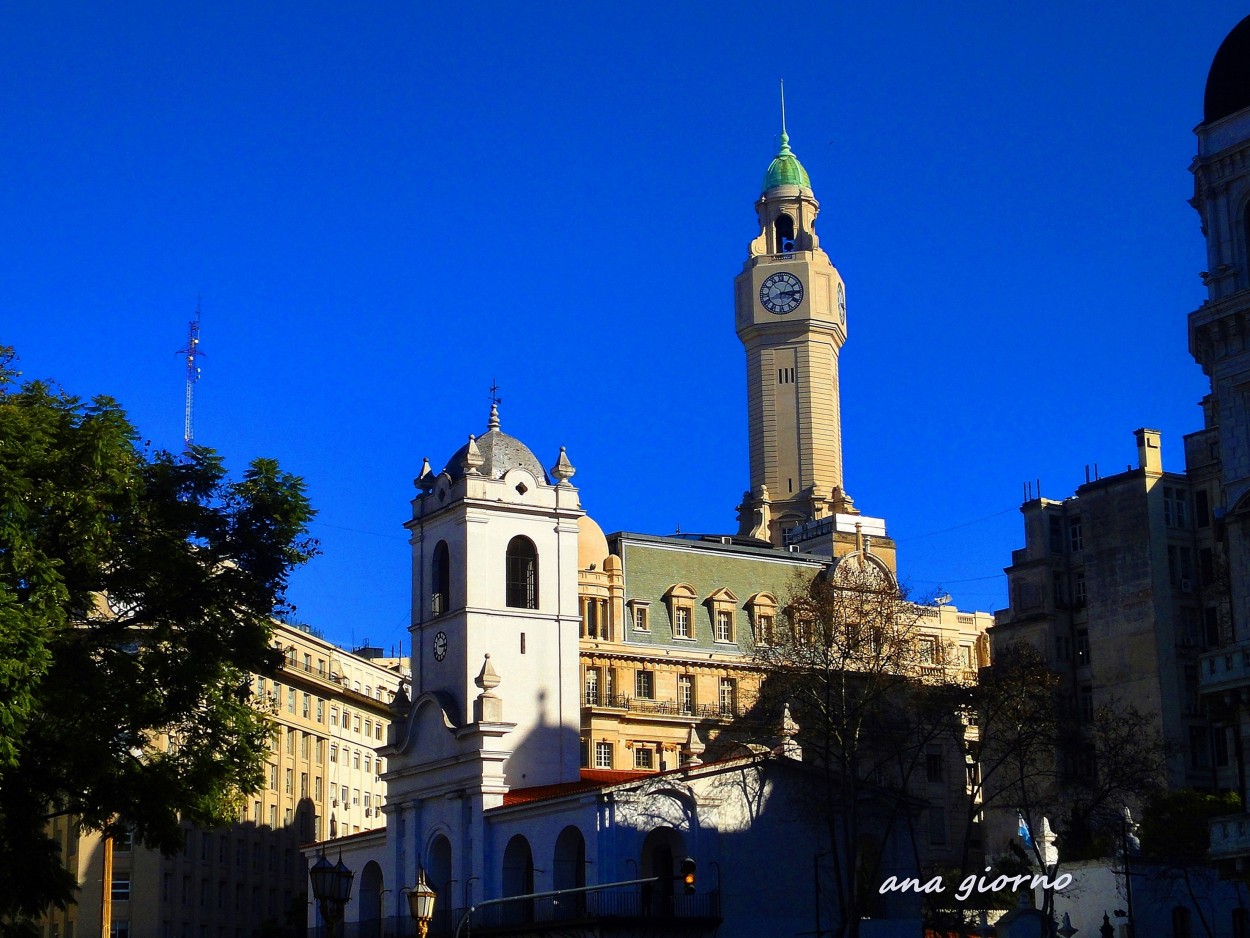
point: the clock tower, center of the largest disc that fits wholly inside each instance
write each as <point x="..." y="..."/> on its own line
<point x="790" y="305"/>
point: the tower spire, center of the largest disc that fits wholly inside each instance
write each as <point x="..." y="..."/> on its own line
<point x="784" y="136"/>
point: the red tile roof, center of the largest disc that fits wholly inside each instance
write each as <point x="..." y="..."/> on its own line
<point x="591" y="779"/>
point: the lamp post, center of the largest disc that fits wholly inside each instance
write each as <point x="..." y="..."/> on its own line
<point x="332" y="888"/>
<point x="421" y="903"/>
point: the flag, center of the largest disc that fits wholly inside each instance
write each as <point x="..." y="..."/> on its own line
<point x="1025" y="835"/>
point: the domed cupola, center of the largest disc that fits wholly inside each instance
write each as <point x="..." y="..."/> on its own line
<point x="499" y="451"/>
<point x="1228" y="82"/>
<point x="785" y="169"/>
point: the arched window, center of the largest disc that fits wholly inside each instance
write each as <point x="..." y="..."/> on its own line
<point x="569" y="871"/>
<point x="518" y="880"/>
<point x="440" y="574"/>
<point x="783" y="227"/>
<point x="1180" y="922"/>
<point x="522" y="574"/>
<point x="369" y="903"/>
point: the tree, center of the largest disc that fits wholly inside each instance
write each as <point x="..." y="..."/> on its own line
<point x="1036" y="762"/>
<point x="869" y="697"/>
<point x="137" y="592"/>
<point x="1176" y="835"/>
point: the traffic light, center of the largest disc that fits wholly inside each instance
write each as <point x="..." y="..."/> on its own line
<point x="687" y="875"/>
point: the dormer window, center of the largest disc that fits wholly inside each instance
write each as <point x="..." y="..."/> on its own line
<point x="762" y="608"/>
<point x="680" y="600"/>
<point x="721" y="606"/>
<point x="521" y="574"/>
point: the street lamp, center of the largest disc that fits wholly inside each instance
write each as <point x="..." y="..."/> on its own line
<point x="332" y="888"/>
<point x="421" y="903"/>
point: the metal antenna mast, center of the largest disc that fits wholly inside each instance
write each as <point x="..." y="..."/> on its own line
<point x="192" y="351"/>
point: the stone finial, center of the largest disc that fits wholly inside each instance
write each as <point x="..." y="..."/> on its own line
<point x="487" y="679"/>
<point x="487" y="708"/>
<point x="492" y="422"/>
<point x="1050" y="853"/>
<point x="473" y="458"/>
<point x="693" y="748"/>
<point x="755" y="514"/>
<point x="563" y="470"/>
<point x="859" y="537"/>
<point x="400" y="703"/>
<point x="787" y="730"/>
<point x="425" y="478"/>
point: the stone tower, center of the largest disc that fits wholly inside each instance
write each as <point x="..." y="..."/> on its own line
<point x="790" y="305"/>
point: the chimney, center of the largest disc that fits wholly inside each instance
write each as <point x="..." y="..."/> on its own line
<point x="1149" y="455"/>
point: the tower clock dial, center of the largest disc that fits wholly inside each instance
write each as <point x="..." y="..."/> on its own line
<point x="842" y="302"/>
<point x="440" y="646"/>
<point x="781" y="293"/>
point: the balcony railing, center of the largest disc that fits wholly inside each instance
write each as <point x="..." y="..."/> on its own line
<point x="664" y="707"/>
<point x="1224" y="669"/>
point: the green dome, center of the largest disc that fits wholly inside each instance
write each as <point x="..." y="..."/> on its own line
<point x="785" y="169"/>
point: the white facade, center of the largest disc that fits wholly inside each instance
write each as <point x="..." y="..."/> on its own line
<point x="485" y="793"/>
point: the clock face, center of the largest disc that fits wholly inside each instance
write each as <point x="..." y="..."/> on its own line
<point x="440" y="646"/>
<point x="842" y="302"/>
<point x="781" y="293"/>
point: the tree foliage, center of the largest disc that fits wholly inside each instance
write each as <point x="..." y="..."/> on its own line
<point x="137" y="592"/>
<point x="869" y="697"/>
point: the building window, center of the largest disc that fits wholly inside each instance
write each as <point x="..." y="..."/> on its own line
<point x="685" y="693"/>
<point x="640" y="618"/>
<point x="643" y="757"/>
<point x="356" y="759"/>
<point x="440" y="576"/>
<point x="334" y="752"/>
<point x="728" y="696"/>
<point x="521" y="573"/>
<point x="290" y="781"/>
<point x="594" y="617"/>
<point x="334" y="716"/>
<point x="1082" y="646"/>
<point x="585" y="747"/>
<point x="1075" y="540"/>
<point x="124" y="842"/>
<point x="681" y="627"/>
<point x="1063" y="648"/>
<point x="1202" y="508"/>
<point x="1087" y="704"/>
<point x="307" y="711"/>
<point x="592" y="686"/>
<point x="121" y="889"/>
<point x="1056" y="534"/>
<point x="368" y="727"/>
<point x="356" y="722"/>
<point x="928" y="650"/>
<point x="303" y="784"/>
<point x="681" y="601"/>
<point x="290" y="699"/>
<point x="721" y="605"/>
<point x="321" y="710"/>
<point x="766" y="630"/>
<point x="934" y="766"/>
<point x="1175" y="507"/>
<point x="305" y="746"/>
<point x="116" y="930"/>
<point x="317" y="789"/>
<point x="644" y="685"/>
<point x="1080" y="590"/>
<point x="603" y="755"/>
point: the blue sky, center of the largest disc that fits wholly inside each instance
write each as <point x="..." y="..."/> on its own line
<point x="387" y="206"/>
